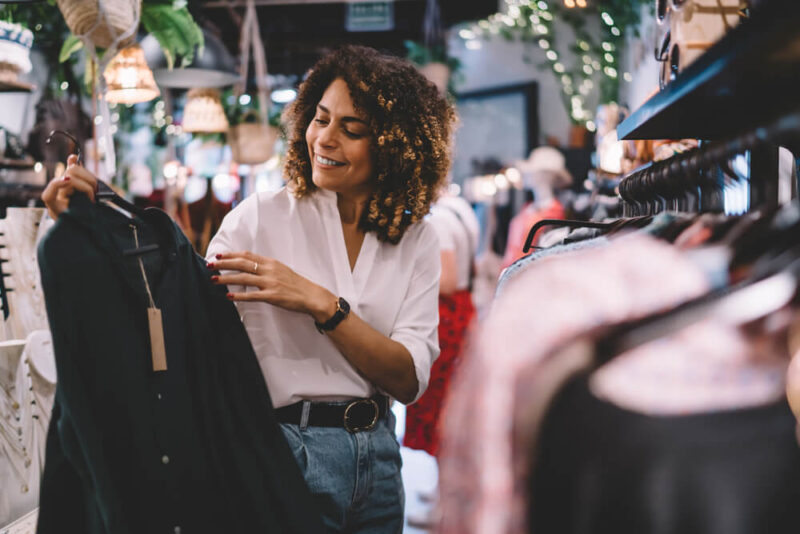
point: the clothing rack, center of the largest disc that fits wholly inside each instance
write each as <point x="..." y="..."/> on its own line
<point x="692" y="181"/>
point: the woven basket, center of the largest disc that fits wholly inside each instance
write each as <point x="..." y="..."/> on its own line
<point x="252" y="143"/>
<point x="82" y="15"/>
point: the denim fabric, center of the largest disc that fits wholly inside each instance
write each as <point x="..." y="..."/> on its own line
<point x="355" y="478"/>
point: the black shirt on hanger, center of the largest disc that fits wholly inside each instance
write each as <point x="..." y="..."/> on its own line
<point x="195" y="448"/>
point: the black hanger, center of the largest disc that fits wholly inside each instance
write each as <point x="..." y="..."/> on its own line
<point x="104" y="192"/>
<point x="562" y="223"/>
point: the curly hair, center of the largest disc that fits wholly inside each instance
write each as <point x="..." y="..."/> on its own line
<point x="410" y="126"/>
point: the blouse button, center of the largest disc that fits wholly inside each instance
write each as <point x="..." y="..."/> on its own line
<point x="165" y="459"/>
<point x="177" y="530"/>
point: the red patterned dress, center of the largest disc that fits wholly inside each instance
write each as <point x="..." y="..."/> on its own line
<point x="422" y="418"/>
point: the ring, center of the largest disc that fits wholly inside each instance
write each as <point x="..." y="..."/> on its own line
<point x="255" y="267"/>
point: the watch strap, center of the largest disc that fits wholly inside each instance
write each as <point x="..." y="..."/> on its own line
<point x="342" y="310"/>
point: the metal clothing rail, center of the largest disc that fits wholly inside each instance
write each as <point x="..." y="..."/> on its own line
<point x="679" y="183"/>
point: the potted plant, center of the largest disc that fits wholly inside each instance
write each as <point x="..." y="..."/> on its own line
<point x="434" y="63"/>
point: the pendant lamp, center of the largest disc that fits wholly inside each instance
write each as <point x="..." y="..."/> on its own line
<point x="129" y="79"/>
<point x="213" y="66"/>
<point x="203" y="112"/>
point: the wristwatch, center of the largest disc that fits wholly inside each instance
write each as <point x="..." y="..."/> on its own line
<point x="342" y="309"/>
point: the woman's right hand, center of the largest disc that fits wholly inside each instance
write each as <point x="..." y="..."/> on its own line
<point x="58" y="192"/>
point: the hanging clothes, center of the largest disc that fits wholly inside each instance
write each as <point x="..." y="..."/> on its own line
<point x="457" y="228"/>
<point x="732" y="471"/>
<point x="196" y="447"/>
<point x="518" y="228"/>
<point x="27" y="389"/>
<point x="525" y="355"/>
<point x="547" y="305"/>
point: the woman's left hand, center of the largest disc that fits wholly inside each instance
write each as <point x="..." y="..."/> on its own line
<point x="275" y="282"/>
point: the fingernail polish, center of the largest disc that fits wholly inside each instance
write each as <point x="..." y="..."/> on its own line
<point x="210" y="265"/>
<point x="214" y="278"/>
<point x="67" y="178"/>
<point x="219" y="256"/>
<point x="230" y="296"/>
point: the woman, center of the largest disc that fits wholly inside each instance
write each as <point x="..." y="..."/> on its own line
<point x="458" y="230"/>
<point x="336" y="276"/>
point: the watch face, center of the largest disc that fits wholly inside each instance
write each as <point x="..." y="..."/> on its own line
<point x="344" y="305"/>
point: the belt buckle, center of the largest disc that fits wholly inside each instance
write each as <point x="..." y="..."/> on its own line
<point x="371" y="425"/>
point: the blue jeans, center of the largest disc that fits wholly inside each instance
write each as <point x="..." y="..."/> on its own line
<point x="355" y="478"/>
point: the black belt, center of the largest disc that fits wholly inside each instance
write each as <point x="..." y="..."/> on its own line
<point x="355" y="416"/>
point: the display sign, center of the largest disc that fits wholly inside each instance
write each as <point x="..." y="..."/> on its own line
<point x="369" y="16"/>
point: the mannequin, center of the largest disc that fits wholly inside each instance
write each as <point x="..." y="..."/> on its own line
<point x="544" y="173"/>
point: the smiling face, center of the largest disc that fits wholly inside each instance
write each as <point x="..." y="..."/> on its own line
<point x="338" y="140"/>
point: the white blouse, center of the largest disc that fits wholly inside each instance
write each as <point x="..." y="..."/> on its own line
<point x="394" y="288"/>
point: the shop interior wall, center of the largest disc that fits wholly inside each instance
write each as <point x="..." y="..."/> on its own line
<point x="501" y="63"/>
<point x="638" y="58"/>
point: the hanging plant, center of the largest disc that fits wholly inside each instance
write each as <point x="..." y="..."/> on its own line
<point x="423" y="56"/>
<point x="170" y="22"/>
<point x="50" y="32"/>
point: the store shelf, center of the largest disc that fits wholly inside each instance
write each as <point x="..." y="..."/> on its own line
<point x="16" y="86"/>
<point x="751" y="76"/>
<point x="16" y="163"/>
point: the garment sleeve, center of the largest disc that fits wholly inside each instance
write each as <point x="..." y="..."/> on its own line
<point x="416" y="326"/>
<point x="74" y="456"/>
<point x="238" y="229"/>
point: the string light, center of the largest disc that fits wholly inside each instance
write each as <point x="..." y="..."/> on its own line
<point x="534" y="21"/>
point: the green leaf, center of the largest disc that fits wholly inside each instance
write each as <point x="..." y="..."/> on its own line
<point x="71" y="45"/>
<point x="175" y="30"/>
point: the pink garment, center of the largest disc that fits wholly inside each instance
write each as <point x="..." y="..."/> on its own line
<point x="521" y="224"/>
<point x="707" y="367"/>
<point x="551" y="303"/>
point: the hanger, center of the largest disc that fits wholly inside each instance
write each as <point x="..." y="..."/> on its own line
<point x="107" y="195"/>
<point x="561" y="223"/>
